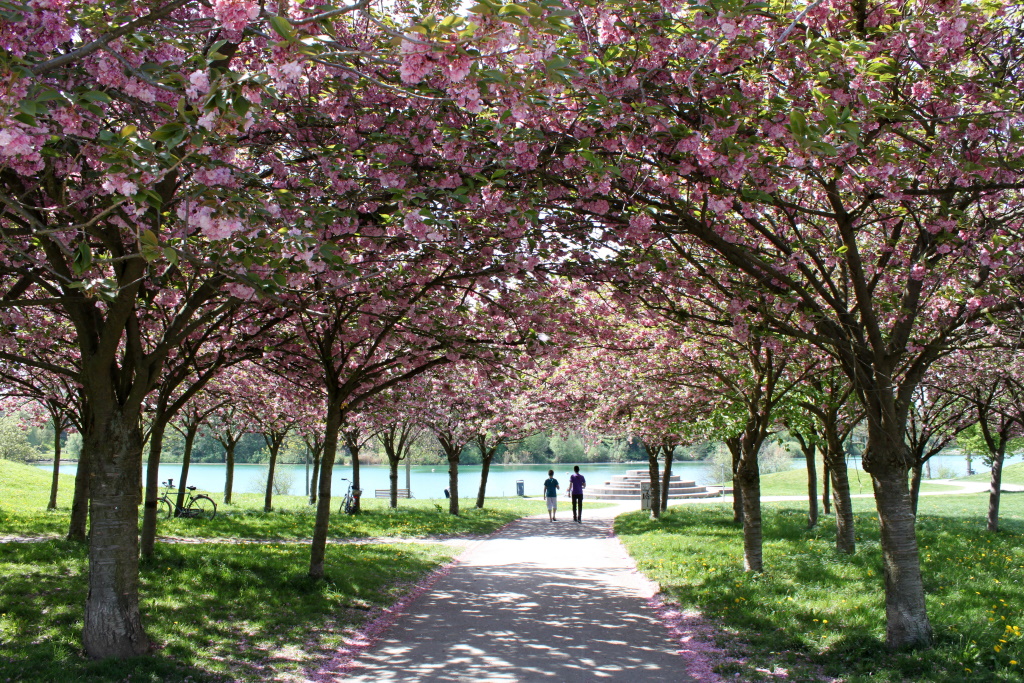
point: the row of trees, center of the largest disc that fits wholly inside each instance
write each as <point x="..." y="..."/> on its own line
<point x="734" y="215"/>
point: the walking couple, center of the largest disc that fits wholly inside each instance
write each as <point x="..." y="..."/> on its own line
<point x="576" y="485"/>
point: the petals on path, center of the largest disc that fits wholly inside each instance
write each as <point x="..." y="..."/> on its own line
<point x="695" y="637"/>
<point x="343" y="661"/>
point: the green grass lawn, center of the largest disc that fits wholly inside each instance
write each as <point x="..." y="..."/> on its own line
<point x="1012" y="474"/>
<point x="794" y="483"/>
<point x="816" y="612"/>
<point x="216" y="611"/>
<point x="24" y="492"/>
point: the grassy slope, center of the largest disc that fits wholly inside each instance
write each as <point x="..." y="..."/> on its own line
<point x="794" y="483"/>
<point x="1012" y="474"/>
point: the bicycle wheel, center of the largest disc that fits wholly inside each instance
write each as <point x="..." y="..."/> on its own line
<point x="164" y="508"/>
<point x="202" y="507"/>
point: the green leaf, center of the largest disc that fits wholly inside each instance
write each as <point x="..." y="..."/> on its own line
<point x="95" y="96"/>
<point x="282" y="27"/>
<point x="451" y="21"/>
<point x="49" y="95"/>
<point x="166" y="131"/>
<point x="83" y="258"/>
<point x="148" y="237"/>
<point x="513" y="11"/>
<point x="798" y="122"/>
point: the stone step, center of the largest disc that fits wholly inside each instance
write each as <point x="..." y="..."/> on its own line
<point x="636" y="492"/>
<point x="704" y="494"/>
<point x="636" y="484"/>
<point x="620" y="487"/>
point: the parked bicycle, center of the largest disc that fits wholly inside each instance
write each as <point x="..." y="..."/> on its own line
<point x="350" y="499"/>
<point x="196" y="507"/>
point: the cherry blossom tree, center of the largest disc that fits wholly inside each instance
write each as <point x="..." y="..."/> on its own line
<point x="186" y="371"/>
<point x="274" y="412"/>
<point x="851" y="163"/>
<point x="937" y="416"/>
<point x="188" y="422"/>
<point x="57" y="402"/>
<point x="994" y="391"/>
<point x="825" y="397"/>
<point x="397" y="439"/>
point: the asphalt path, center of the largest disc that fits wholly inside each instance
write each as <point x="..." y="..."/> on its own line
<point x="536" y="601"/>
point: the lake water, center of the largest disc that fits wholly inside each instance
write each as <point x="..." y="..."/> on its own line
<point x="427" y="481"/>
<point x="430" y="481"/>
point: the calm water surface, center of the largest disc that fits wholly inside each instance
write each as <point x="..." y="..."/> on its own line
<point x="430" y="481"/>
<point x="426" y="481"/>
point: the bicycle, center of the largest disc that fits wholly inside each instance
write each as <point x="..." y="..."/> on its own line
<point x="196" y="507"/>
<point x="349" y="500"/>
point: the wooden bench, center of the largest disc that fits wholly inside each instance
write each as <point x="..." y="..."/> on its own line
<point x="386" y="493"/>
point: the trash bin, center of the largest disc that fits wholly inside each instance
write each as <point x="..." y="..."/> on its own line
<point x="520" y="487"/>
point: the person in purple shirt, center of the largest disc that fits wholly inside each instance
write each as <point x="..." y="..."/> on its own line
<point x="576" y="485"/>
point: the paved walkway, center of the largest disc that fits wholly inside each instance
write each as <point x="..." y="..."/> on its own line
<point x="537" y="601"/>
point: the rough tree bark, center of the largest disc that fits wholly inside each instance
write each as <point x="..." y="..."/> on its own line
<point x="995" y="486"/>
<point x="748" y="478"/>
<point x="191" y="429"/>
<point x="669" y="452"/>
<point x="653" y="472"/>
<point x="156" y="441"/>
<point x="487" y="456"/>
<point x="846" y="538"/>
<point x="273" y="439"/>
<point x="55" y="479"/>
<point x="112" y="622"/>
<point x="810" y="451"/>
<point x="318" y="544"/>
<point x="78" y="524"/>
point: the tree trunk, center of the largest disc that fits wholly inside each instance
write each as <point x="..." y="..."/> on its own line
<point x="268" y="496"/>
<point x="147" y="540"/>
<point x="826" y="489"/>
<point x="393" y="476"/>
<point x="315" y="477"/>
<point x="835" y="460"/>
<point x="915" y="486"/>
<point x="318" y="545"/>
<point x="453" y="481"/>
<point x="80" y="502"/>
<point x="733" y="443"/>
<point x="995" y="487"/>
<point x="186" y="461"/>
<point x="55" y="479"/>
<point x="748" y="479"/>
<point x="357" y="504"/>
<point x="812" y="485"/>
<point x="229" y="470"/>
<point x="653" y="473"/>
<point x="487" y="454"/>
<point x="906" y="615"/>
<point x="846" y="537"/>
<point x="112" y="623"/>
<point x="669" y="453"/>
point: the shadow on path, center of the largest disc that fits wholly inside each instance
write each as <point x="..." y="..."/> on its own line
<point x="540" y="601"/>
